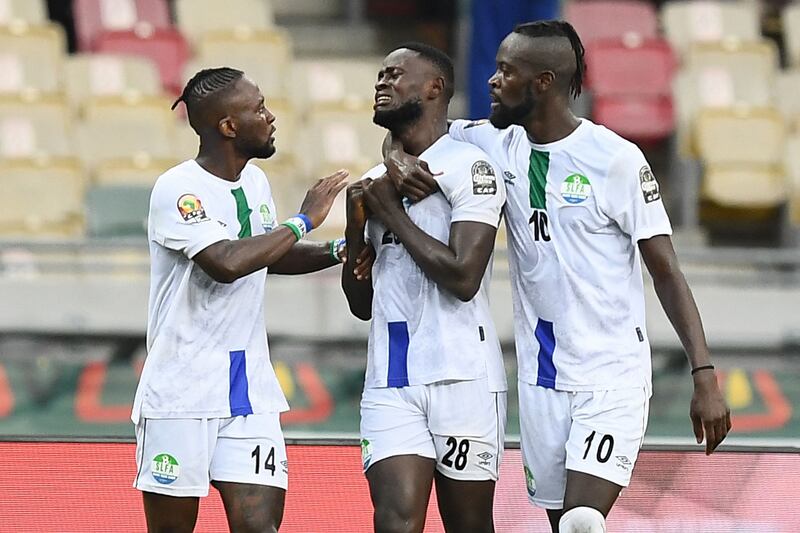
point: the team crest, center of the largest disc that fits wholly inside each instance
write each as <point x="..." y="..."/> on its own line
<point x="165" y="468"/>
<point x="649" y="185"/>
<point x="191" y="209"/>
<point x="366" y="453"/>
<point x="576" y="188"/>
<point x="267" y="219"/>
<point x="483" y="178"/>
<point x="530" y="482"/>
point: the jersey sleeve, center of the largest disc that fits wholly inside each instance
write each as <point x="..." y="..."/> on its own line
<point x="481" y="133"/>
<point x="633" y="197"/>
<point x="178" y="221"/>
<point x="475" y="192"/>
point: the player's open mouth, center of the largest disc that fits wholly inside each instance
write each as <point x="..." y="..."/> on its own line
<point x="382" y="99"/>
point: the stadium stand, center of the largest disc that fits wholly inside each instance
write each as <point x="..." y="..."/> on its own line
<point x="610" y="19"/>
<point x="31" y="57"/>
<point x="32" y="12"/>
<point x="94" y="17"/>
<point x="92" y="75"/>
<point x="195" y="18"/>
<point x="117" y="210"/>
<point x="791" y="35"/>
<point x="34" y="125"/>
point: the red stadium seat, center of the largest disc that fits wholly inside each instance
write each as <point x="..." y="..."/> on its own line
<point x="166" y="47"/>
<point x="93" y="17"/>
<point x="603" y="19"/>
<point x="645" y="119"/>
<point x="630" y="66"/>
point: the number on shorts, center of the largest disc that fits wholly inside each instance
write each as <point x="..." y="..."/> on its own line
<point x="604" y="447"/>
<point x="269" y="464"/>
<point x="461" y="457"/>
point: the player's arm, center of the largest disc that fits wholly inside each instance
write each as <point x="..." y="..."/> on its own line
<point x="356" y="284"/>
<point x="306" y="257"/>
<point x="708" y="411"/>
<point x="459" y="266"/>
<point x="226" y="261"/>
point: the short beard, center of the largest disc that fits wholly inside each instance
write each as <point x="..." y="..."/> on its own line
<point x="396" y="120"/>
<point x="504" y="116"/>
<point x="264" y="151"/>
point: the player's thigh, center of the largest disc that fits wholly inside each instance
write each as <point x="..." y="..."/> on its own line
<point x="173" y="456"/>
<point x="249" y="507"/>
<point x="465" y="505"/>
<point x="170" y="513"/>
<point x="400" y="487"/>
<point x="468" y="423"/>
<point x="607" y="431"/>
<point x="545" y="420"/>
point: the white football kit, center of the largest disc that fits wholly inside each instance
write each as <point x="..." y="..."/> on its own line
<point x="435" y="382"/>
<point x="576" y="209"/>
<point x="207" y="357"/>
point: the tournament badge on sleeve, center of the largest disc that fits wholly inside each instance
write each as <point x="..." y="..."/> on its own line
<point x="191" y="209"/>
<point x="649" y="185"/>
<point x="483" y="178"/>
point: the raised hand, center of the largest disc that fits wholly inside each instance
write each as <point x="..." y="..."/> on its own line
<point x="319" y="198"/>
<point x="357" y="212"/>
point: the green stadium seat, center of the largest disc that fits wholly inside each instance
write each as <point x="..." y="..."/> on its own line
<point x="117" y="211"/>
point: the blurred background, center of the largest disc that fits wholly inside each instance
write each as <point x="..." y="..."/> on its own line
<point x="709" y="90"/>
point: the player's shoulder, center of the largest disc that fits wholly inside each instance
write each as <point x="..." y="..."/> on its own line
<point x="609" y="145"/>
<point x="180" y="176"/>
<point x="485" y="128"/>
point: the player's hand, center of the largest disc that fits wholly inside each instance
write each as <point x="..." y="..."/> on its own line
<point x="410" y="175"/>
<point x="319" y="198"/>
<point x="357" y="212"/>
<point x="710" y="415"/>
<point x="382" y="198"/>
<point x="364" y="261"/>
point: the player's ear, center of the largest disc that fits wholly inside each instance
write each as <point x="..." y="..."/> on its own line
<point x="436" y="88"/>
<point x="545" y="80"/>
<point x="227" y="127"/>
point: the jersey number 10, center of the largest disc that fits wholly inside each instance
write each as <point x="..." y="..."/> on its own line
<point x="538" y="223"/>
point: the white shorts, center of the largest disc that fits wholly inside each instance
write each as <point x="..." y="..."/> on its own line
<point x="179" y="457"/>
<point x="461" y="424"/>
<point x="598" y="433"/>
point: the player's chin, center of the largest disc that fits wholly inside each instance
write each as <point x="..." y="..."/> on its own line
<point x="266" y="151"/>
<point x="499" y="118"/>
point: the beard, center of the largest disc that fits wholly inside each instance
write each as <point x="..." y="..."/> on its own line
<point x="399" y="118"/>
<point x="259" y="151"/>
<point x="504" y="116"/>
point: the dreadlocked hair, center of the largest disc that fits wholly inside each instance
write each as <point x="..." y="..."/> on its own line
<point x="207" y="82"/>
<point x="559" y="28"/>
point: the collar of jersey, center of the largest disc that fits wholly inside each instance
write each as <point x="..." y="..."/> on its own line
<point x="208" y="176"/>
<point x="561" y="143"/>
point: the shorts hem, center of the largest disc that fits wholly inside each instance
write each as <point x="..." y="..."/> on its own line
<point x="467" y="477"/>
<point x="230" y="479"/>
<point x="552" y="505"/>
<point x="179" y="492"/>
<point x="602" y="475"/>
<point x="377" y="458"/>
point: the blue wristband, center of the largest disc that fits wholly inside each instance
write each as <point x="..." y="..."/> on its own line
<point x="307" y="220"/>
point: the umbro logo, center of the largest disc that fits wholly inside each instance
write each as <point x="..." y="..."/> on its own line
<point x="508" y="177"/>
<point x="485" y="457"/>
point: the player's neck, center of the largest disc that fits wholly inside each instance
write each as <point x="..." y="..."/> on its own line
<point x="219" y="161"/>
<point x="551" y="123"/>
<point x="421" y="135"/>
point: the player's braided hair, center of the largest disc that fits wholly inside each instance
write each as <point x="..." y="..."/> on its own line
<point x="559" y="28"/>
<point x="206" y="82"/>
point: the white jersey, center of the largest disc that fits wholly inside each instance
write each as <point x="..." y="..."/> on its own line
<point x="207" y="354"/>
<point x="421" y="333"/>
<point x="576" y="209"/>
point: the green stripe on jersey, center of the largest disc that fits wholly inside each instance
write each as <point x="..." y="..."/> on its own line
<point x="242" y="213"/>
<point x="537" y="175"/>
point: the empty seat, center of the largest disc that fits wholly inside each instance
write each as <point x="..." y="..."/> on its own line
<point x="740" y="136"/>
<point x="791" y="32"/>
<point x="641" y="119"/>
<point x="41" y="197"/>
<point x="116" y="127"/>
<point x="136" y="171"/>
<point x="91" y="75"/>
<point x="262" y="55"/>
<point x="603" y="19"/>
<point x="630" y="66"/>
<point x="758" y="57"/>
<point x="745" y="186"/>
<point x="198" y="17"/>
<point x="93" y="17"/>
<point x="324" y="82"/>
<point x="33" y="12"/>
<point x="117" y="210"/>
<point x="792" y="163"/>
<point x="31" y="58"/>
<point x="33" y="125"/>
<point x="787" y="96"/>
<point x="688" y="22"/>
<point x="166" y="48"/>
